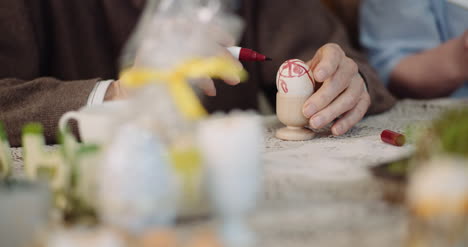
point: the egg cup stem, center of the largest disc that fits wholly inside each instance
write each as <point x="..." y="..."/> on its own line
<point x="294" y="134"/>
<point x="289" y="112"/>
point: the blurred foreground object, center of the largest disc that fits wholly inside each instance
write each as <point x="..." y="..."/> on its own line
<point x="162" y="74"/>
<point x="231" y="146"/>
<point x="155" y="54"/>
<point x="103" y="236"/>
<point x="69" y="171"/>
<point x="438" y="203"/>
<point x="24" y="212"/>
<point x="97" y="124"/>
<point x="205" y="27"/>
<point x="5" y="154"/>
<point x="136" y="186"/>
<point x="83" y="237"/>
<point x="448" y="134"/>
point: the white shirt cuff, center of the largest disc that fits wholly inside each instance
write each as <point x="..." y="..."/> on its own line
<point x="96" y="96"/>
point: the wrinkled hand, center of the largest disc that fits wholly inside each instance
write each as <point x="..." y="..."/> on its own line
<point x="223" y="39"/>
<point x="342" y="93"/>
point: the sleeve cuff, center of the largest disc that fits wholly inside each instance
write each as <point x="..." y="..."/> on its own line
<point x="96" y="96"/>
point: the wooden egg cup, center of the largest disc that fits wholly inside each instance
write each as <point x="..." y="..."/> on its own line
<point x="289" y="112"/>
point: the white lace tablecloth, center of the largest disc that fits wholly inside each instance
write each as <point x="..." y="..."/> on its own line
<point x="320" y="192"/>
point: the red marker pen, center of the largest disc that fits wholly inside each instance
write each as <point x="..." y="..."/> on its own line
<point x="244" y="54"/>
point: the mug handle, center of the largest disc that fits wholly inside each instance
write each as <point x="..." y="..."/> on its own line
<point x="71" y="115"/>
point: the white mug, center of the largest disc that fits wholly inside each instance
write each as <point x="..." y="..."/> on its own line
<point x="96" y="123"/>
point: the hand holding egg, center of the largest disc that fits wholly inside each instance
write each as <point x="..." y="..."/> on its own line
<point x="342" y="94"/>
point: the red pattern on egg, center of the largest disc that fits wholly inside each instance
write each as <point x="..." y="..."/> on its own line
<point x="293" y="68"/>
<point x="284" y="86"/>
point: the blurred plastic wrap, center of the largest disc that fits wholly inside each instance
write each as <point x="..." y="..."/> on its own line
<point x="177" y="44"/>
<point x="24" y="212"/>
<point x="171" y="32"/>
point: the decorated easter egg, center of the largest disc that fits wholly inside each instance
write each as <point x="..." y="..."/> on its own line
<point x="295" y="78"/>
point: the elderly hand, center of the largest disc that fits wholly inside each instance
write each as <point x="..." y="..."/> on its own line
<point x="342" y="93"/>
<point x="207" y="84"/>
<point x="223" y="39"/>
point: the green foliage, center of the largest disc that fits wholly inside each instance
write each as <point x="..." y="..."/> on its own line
<point x="33" y="128"/>
<point x="3" y="135"/>
<point x="398" y="167"/>
<point x="414" y="132"/>
<point x="76" y="208"/>
<point x="451" y="129"/>
<point x="46" y="173"/>
<point x="5" y="155"/>
<point x="88" y="149"/>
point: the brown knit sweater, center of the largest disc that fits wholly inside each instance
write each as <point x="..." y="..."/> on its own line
<point x="52" y="52"/>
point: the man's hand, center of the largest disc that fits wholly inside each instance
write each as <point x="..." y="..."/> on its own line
<point x="207" y="84"/>
<point x="342" y="92"/>
<point x="432" y="73"/>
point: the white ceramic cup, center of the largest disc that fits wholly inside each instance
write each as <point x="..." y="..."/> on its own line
<point x="97" y="123"/>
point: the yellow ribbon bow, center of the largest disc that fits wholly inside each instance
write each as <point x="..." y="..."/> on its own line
<point x="176" y="79"/>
